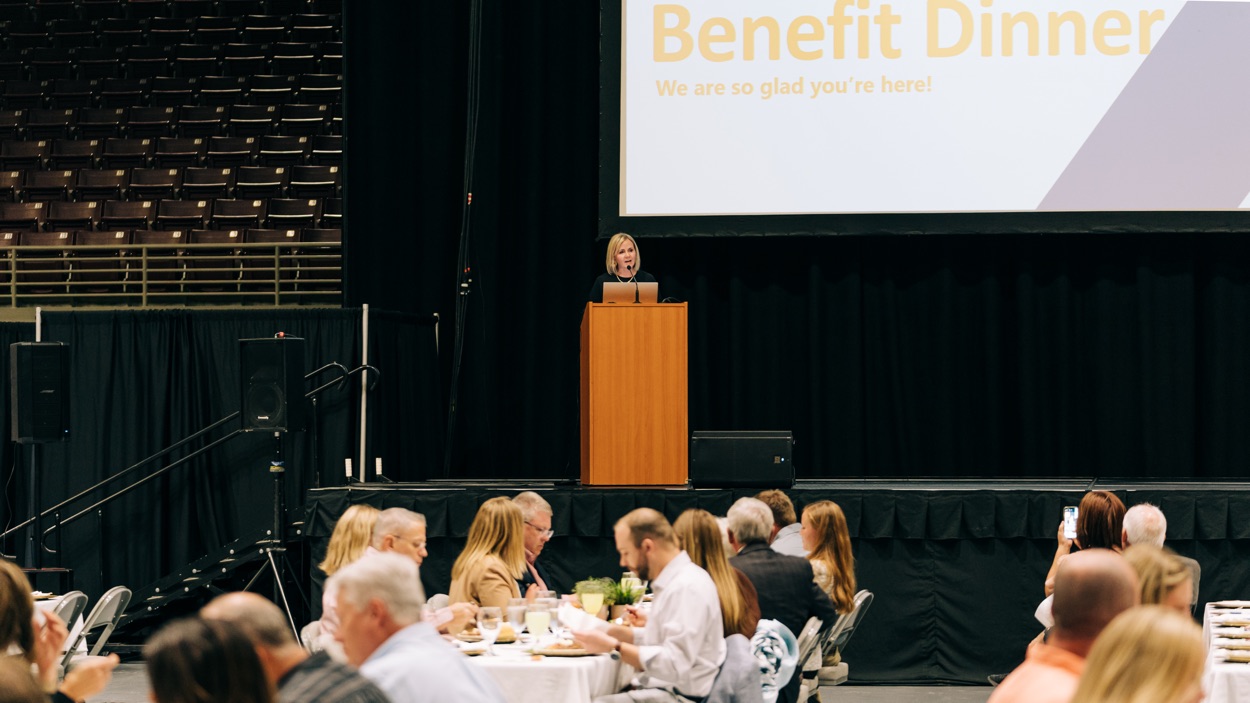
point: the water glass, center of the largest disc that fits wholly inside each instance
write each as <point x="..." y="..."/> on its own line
<point x="489" y="620"/>
<point x="516" y="613"/>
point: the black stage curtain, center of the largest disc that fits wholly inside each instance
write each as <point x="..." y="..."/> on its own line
<point x="143" y="380"/>
<point x="956" y="574"/>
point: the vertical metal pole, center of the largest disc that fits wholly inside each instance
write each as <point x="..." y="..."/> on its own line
<point x="364" y="387"/>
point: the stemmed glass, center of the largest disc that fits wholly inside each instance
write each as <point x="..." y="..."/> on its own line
<point x="489" y="620"/>
<point x="516" y="614"/>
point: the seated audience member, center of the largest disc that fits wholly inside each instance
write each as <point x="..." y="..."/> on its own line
<point x="678" y="647"/>
<point x="537" y="514"/>
<point x="1146" y="655"/>
<point x="785" y="536"/>
<point x="16" y="683"/>
<point x="352" y="536"/>
<point x="493" y="561"/>
<point x="204" y="661"/>
<point x="699" y="536"/>
<point x="298" y="676"/>
<point x="1099" y="525"/>
<point x="786" y="585"/>
<point x="382" y="633"/>
<point x="1164" y="579"/>
<point x="37" y="640"/>
<point x="1146" y="524"/>
<point x="1091" y="587"/>
<point x="827" y="540"/>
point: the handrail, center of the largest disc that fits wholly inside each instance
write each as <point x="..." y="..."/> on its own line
<point x="340" y="380"/>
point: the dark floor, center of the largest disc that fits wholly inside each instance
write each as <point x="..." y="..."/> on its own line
<point x="130" y="685"/>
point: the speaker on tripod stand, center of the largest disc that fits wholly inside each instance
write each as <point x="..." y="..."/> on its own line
<point x="39" y="414"/>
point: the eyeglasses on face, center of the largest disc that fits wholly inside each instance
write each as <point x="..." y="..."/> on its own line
<point x="545" y="533"/>
<point x="415" y="544"/>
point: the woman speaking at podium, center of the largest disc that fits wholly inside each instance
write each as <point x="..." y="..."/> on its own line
<point x="623" y="264"/>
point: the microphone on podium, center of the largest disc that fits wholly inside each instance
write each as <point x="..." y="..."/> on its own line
<point x="634" y="278"/>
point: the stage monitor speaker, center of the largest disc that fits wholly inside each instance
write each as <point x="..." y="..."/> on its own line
<point x="272" y="397"/>
<point x="39" y="390"/>
<point x="741" y="459"/>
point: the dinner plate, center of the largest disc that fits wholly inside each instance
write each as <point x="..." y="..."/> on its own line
<point x="1232" y="622"/>
<point x="1232" y="604"/>
<point x="563" y="652"/>
<point x="468" y="638"/>
<point x="1238" y="657"/>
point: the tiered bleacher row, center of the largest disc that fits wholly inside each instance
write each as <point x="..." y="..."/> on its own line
<point x="135" y="133"/>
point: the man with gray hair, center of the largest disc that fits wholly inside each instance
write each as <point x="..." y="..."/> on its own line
<point x="297" y="676"/>
<point x="787" y="589"/>
<point x="536" y="512"/>
<point x="1146" y="524"/>
<point x="382" y="633"/>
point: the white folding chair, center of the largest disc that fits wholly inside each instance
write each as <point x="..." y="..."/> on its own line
<point x="838" y="639"/>
<point x="106" y="613"/>
<point x="70" y="607"/>
<point x="809" y="644"/>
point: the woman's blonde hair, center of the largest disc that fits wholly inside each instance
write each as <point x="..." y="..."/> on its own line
<point x="497" y="530"/>
<point x="1147" y="654"/>
<point x="833" y="549"/>
<point x="17" y="611"/>
<point x="614" y="245"/>
<point x="1158" y="571"/>
<point x="700" y="536"/>
<point x="352" y="533"/>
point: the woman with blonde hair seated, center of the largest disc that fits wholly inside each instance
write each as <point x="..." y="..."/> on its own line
<point x="828" y="543"/>
<point x="700" y="536"/>
<point x="1147" y="654"/>
<point x="1165" y="580"/>
<point x="350" y="538"/>
<point x="486" y="572"/>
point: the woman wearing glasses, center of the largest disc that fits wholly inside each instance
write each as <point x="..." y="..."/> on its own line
<point x="486" y="572"/>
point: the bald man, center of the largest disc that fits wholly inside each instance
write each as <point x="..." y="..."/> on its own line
<point x="297" y="676"/>
<point x="1091" y="587"/>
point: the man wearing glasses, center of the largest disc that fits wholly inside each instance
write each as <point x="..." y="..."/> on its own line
<point x="537" y="514"/>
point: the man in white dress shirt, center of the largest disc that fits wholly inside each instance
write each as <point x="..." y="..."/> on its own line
<point x="678" y="647"/>
<point x="785" y="538"/>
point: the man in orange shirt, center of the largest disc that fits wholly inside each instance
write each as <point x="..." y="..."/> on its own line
<point x="1091" y="588"/>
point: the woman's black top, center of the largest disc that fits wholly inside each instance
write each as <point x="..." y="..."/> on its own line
<point x="596" y="291"/>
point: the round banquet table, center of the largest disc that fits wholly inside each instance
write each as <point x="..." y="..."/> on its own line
<point x="524" y="678"/>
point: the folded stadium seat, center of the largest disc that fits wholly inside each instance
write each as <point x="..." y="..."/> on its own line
<point x="10" y="183"/>
<point x="12" y="124"/>
<point x="315" y="182"/>
<point x="180" y="214"/>
<point x="272" y="90"/>
<point x="12" y="64"/>
<point x="320" y="265"/>
<point x="95" y="62"/>
<point x="126" y="153"/>
<point x="144" y="121"/>
<point x="313" y="29"/>
<point x="123" y="92"/>
<point x="14" y="11"/>
<point x="336" y="118"/>
<point x="101" y="184"/>
<point x="169" y="31"/>
<point x="49" y="124"/>
<point x="294" y="58"/>
<point x="154" y="183"/>
<point x="118" y="32"/>
<point x="322" y="235"/>
<point x="231" y="151"/>
<point x="178" y="151"/>
<point x="304" y="119"/>
<point x="72" y="33"/>
<point x="197" y="60"/>
<point x="327" y="150"/>
<point x="73" y="216"/>
<point x="293" y="213"/>
<point x="271" y="236"/>
<point x="320" y="88"/>
<point x="22" y="94"/>
<point x="101" y="9"/>
<point x="169" y="91"/>
<point x="99" y="270"/>
<point x="202" y="121"/>
<point x="147" y="9"/>
<point x="264" y="29"/>
<point x="75" y="153"/>
<point x="237" y="214"/>
<point x="332" y="213"/>
<point x="72" y="92"/>
<point x="53" y="10"/>
<point x="331" y="57"/>
<point x="100" y="122"/>
<point x="163" y="264"/>
<point x="46" y="63"/>
<point x="216" y="30"/>
<point x="190" y="8"/>
<point x="44" y="273"/>
<point x="22" y="217"/>
<point x="240" y="8"/>
<point x="123" y="214"/>
<point x="215" y="269"/>
<point x="283" y="150"/>
<point x="261" y="182"/>
<point x="260" y="264"/>
<point x="244" y="59"/>
<point x="207" y="183"/>
<point x="27" y="34"/>
<point x="289" y="7"/>
<point x="149" y="61"/>
<point x="23" y="155"/>
<point x="252" y="120"/>
<point x="46" y="186"/>
<point x="222" y="90"/>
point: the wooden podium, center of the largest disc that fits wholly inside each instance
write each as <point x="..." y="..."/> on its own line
<point x="634" y="405"/>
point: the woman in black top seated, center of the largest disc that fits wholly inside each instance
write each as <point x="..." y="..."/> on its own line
<point x="624" y="265"/>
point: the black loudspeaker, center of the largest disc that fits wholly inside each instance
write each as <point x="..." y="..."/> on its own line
<point x="39" y="383"/>
<point x="741" y="459"/>
<point x="273" y="384"/>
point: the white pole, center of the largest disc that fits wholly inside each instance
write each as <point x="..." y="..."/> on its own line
<point x="364" y="386"/>
<point x="38" y="324"/>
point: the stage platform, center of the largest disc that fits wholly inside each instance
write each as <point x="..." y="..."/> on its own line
<point x="957" y="566"/>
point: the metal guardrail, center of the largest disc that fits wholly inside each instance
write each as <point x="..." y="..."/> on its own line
<point x="308" y="273"/>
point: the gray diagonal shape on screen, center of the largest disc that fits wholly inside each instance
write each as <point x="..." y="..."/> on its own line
<point x="1178" y="136"/>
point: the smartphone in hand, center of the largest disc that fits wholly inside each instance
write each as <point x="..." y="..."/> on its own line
<point x="1069" y="521"/>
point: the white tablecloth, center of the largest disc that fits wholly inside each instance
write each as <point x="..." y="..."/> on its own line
<point x="1224" y="682"/>
<point x="551" y="679"/>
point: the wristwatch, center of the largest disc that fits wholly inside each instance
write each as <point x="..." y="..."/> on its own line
<point x="616" y="651"/>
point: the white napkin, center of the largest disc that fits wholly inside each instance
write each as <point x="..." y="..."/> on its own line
<point x="577" y="619"/>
